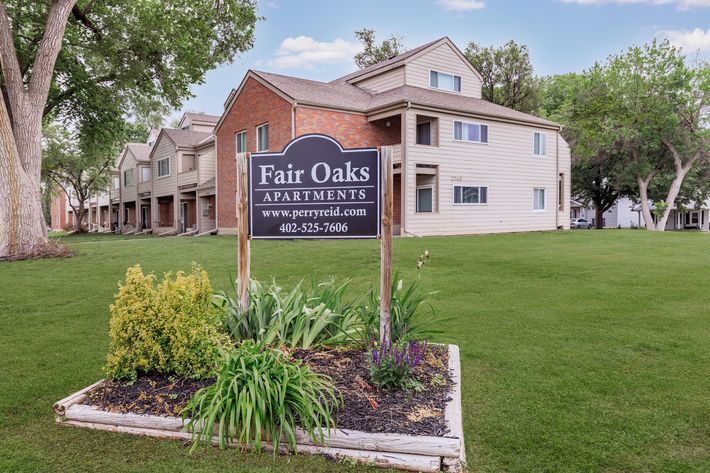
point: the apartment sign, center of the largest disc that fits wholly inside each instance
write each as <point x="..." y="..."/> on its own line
<point x="314" y="189"/>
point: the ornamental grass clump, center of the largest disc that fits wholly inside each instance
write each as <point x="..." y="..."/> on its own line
<point x="391" y="367"/>
<point x="172" y="328"/>
<point x="300" y="318"/>
<point x="262" y="394"/>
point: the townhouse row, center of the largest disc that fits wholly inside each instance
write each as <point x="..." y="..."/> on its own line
<point x="462" y="164"/>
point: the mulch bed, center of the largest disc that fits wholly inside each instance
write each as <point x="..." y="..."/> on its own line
<point x="364" y="408"/>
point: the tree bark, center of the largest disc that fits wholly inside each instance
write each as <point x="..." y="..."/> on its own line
<point x="22" y="227"/>
<point x="645" y="208"/>
<point x="599" y="216"/>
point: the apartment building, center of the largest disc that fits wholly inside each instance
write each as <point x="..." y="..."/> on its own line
<point x="167" y="185"/>
<point x="462" y="164"/>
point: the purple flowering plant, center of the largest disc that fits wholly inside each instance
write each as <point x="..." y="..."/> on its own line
<point x="391" y="366"/>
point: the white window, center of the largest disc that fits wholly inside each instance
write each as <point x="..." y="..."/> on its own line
<point x="242" y="142"/>
<point x="262" y="137"/>
<point x="471" y="132"/>
<point x="444" y="81"/>
<point x="470" y="195"/>
<point x="539" y="146"/>
<point x="116" y="182"/>
<point x="145" y="174"/>
<point x="163" y="167"/>
<point x="539" y="199"/>
<point x="425" y="199"/>
<point x="424" y="133"/>
<point x="128" y="177"/>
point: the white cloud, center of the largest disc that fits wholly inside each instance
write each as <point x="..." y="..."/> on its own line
<point x="306" y="52"/>
<point x="690" y="40"/>
<point x="461" y="5"/>
<point x="683" y="5"/>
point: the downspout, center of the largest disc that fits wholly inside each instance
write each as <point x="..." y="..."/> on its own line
<point x="557" y="178"/>
<point x="293" y="119"/>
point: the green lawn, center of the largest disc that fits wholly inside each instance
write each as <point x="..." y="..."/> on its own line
<point x="582" y="351"/>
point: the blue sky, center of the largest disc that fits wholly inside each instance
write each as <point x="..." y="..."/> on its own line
<point x="314" y="39"/>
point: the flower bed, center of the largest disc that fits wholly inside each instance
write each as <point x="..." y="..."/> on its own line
<point x="301" y="371"/>
<point x="115" y="407"/>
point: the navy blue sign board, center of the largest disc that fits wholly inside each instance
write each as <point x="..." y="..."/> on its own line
<point x="315" y="189"/>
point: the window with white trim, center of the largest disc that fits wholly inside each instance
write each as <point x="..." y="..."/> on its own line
<point x="242" y="142"/>
<point x="539" y="199"/>
<point x="116" y="182"/>
<point x="539" y="148"/>
<point x="444" y="81"/>
<point x="470" y="132"/>
<point x="163" y="167"/>
<point x="262" y="137"/>
<point x="425" y="199"/>
<point x="128" y="177"/>
<point x="470" y="195"/>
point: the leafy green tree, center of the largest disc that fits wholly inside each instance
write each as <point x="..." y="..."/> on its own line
<point x="659" y="106"/>
<point x="507" y="73"/>
<point x="79" y="169"/>
<point x="87" y="64"/>
<point x="374" y="53"/>
<point x="580" y="102"/>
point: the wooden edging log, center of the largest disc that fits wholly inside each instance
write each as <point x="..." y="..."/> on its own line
<point x="401" y="461"/>
<point x="404" y="452"/>
<point x="340" y="438"/>
<point x="78" y="397"/>
<point x="453" y="414"/>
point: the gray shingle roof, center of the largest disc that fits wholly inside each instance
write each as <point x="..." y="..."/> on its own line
<point x="341" y="95"/>
<point x="203" y="117"/>
<point x="140" y="150"/>
<point x="186" y="138"/>
<point x="449" y="101"/>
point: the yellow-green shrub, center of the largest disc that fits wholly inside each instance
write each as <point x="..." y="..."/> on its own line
<point x="171" y="328"/>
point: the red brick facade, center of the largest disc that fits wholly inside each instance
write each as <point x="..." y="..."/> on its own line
<point x="257" y="104"/>
<point x="350" y="129"/>
<point x="58" y="212"/>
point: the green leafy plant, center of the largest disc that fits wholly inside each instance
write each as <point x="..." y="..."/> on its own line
<point x="407" y="319"/>
<point x="262" y="394"/>
<point x="391" y="367"/>
<point x="302" y="317"/>
<point x="170" y="328"/>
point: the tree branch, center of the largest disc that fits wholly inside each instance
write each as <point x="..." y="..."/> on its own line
<point x="48" y="50"/>
<point x="82" y="17"/>
<point x="53" y="102"/>
<point x="9" y="64"/>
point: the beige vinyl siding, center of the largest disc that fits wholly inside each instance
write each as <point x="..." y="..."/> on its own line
<point x="384" y="81"/>
<point x="565" y="166"/>
<point x="129" y="193"/>
<point x="202" y="128"/>
<point x="506" y="165"/>
<point x="163" y="186"/>
<point x="443" y="59"/>
<point x="206" y="164"/>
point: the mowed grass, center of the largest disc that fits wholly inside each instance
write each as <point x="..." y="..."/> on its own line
<point x="583" y="351"/>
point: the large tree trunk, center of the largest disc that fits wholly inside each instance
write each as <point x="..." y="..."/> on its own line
<point x="645" y="207"/>
<point x="22" y="227"/>
<point x="23" y="231"/>
<point x="80" y="213"/>
<point x="599" y="216"/>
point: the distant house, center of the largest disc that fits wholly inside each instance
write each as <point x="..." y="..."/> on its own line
<point x="462" y="164"/>
<point x="627" y="214"/>
<point x="621" y="215"/>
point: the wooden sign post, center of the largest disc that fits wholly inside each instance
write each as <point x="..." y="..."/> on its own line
<point x="243" y="244"/>
<point x="386" y="247"/>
